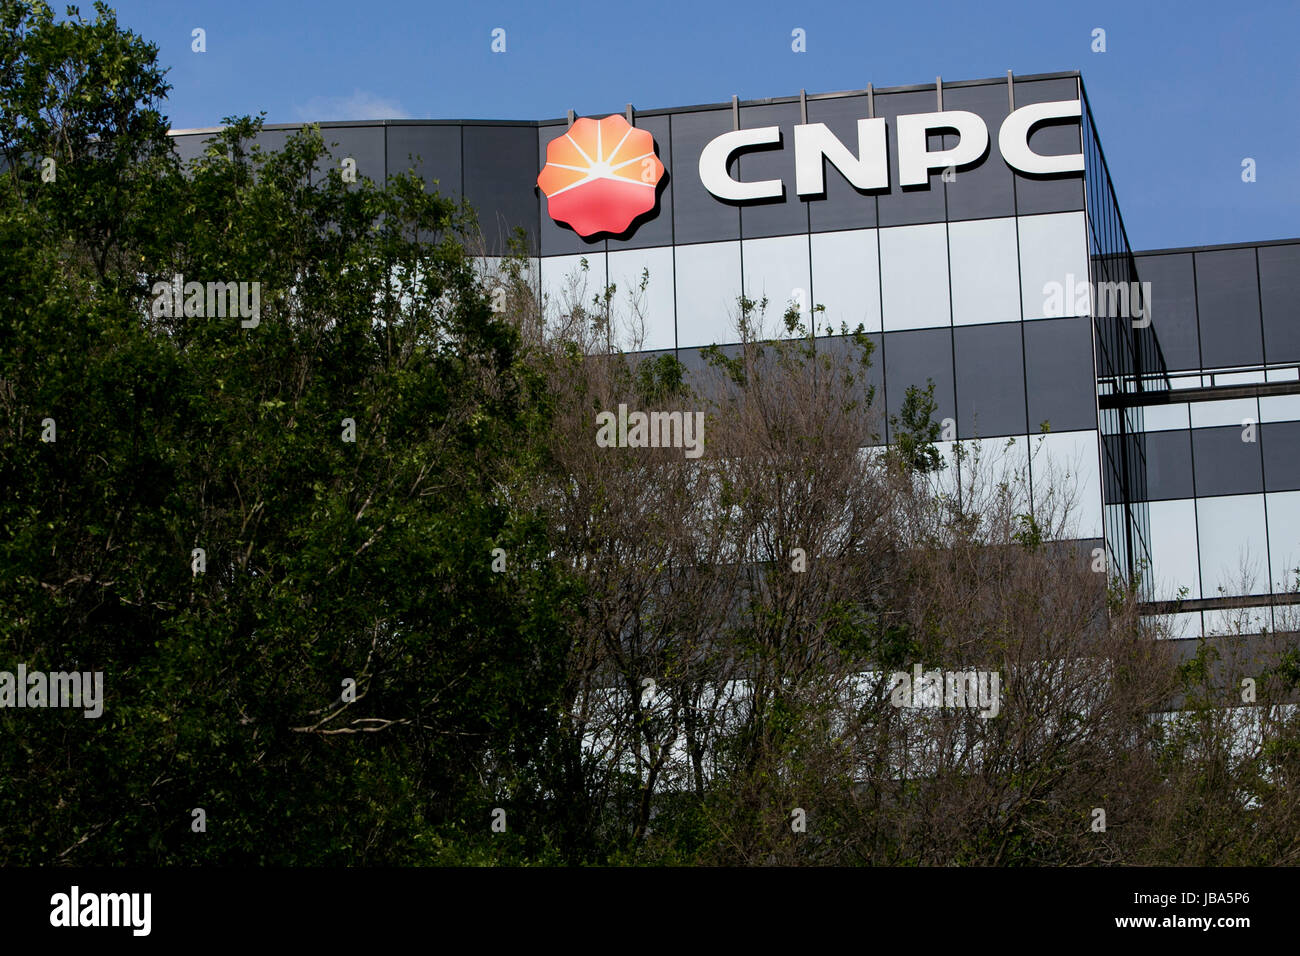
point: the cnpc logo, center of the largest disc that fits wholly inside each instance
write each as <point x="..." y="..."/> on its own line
<point x="603" y="175"/>
<point x="869" y="169"/>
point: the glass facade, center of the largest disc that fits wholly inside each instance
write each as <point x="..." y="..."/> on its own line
<point x="1174" y="414"/>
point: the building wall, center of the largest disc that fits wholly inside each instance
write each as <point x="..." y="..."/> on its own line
<point x="1223" y="476"/>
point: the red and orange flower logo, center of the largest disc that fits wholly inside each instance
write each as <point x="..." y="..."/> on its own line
<point x="600" y="175"/>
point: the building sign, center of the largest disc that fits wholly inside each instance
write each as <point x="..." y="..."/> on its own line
<point x="869" y="169"/>
<point x="600" y="175"/>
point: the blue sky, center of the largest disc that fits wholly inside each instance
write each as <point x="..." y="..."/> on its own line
<point x="1184" y="92"/>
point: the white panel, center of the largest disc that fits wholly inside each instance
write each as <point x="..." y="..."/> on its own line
<point x="1238" y="620"/>
<point x="1053" y="249"/>
<point x="914" y="276"/>
<point x="1284" y="538"/>
<point x="1230" y="412"/>
<point x="1240" y="378"/>
<point x="1174" y="562"/>
<point x="566" y="283"/>
<point x="1279" y="408"/>
<point x="1181" y="626"/>
<point x="1067" y="463"/>
<point x="656" y="323"/>
<point x="1163" y="418"/>
<point x="1233" y="545"/>
<point x="777" y="269"/>
<point x="985" y="278"/>
<point x="994" y="461"/>
<point x="846" y="279"/>
<point x="1282" y="374"/>
<point x="708" y="284"/>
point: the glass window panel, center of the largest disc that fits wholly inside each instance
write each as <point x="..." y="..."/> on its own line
<point x="1169" y="464"/>
<point x="1057" y="193"/>
<point x="845" y="351"/>
<point x="911" y="358"/>
<point x="433" y="151"/>
<point x="566" y="284"/>
<point x="1160" y="418"/>
<point x="1173" y="307"/>
<point x="1234" y="546"/>
<point x="778" y="269"/>
<point x="708" y="284"/>
<point x="844" y="207"/>
<point x="365" y="144"/>
<point x="1229" y="412"/>
<point x="1058" y="374"/>
<point x="985" y="276"/>
<point x="901" y="206"/>
<point x="1180" y="627"/>
<point x="1284" y="539"/>
<point x="1053" y="249"/>
<point x="1237" y="620"/>
<point x="986" y="189"/>
<point x="990" y="462"/>
<point x="990" y="380"/>
<point x="1279" y="286"/>
<point x="1174" y="560"/>
<point x="698" y="216"/>
<point x="1225" y="464"/>
<point x="1280" y="443"/>
<point x="1227" y="296"/>
<point x="654" y="320"/>
<point x="914" y="276"/>
<point x="774" y="217"/>
<point x="500" y="176"/>
<point x="846" y="278"/>
<point x="1065" y="466"/>
<point x="1279" y="408"/>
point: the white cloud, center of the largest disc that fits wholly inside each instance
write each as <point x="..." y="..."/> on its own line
<point x="360" y="105"/>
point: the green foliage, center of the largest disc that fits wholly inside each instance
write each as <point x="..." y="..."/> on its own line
<point x="913" y="431"/>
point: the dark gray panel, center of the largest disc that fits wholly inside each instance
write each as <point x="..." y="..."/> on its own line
<point x="1062" y="193"/>
<point x="365" y="144"/>
<point x="655" y="228"/>
<point x="432" y="151"/>
<point x="1227" y="299"/>
<point x="1169" y="464"/>
<point x="843" y="207"/>
<point x="899" y="206"/>
<point x="698" y="216"/>
<point x="557" y="239"/>
<point x="1225" y="465"/>
<point x="190" y="147"/>
<point x="1058" y="374"/>
<point x="990" y="380"/>
<point x="710" y="382"/>
<point x="845" y="351"/>
<point x="911" y="358"/>
<point x="985" y="190"/>
<point x="1279" y="286"/>
<point x="501" y="181"/>
<point x="788" y="215"/>
<point x="1280" y="443"/>
<point x="1173" y="307"/>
